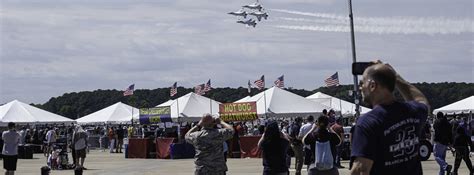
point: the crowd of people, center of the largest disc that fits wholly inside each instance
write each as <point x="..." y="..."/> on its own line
<point x="385" y="140"/>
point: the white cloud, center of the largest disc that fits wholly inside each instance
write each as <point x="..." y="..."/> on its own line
<point x="55" y="47"/>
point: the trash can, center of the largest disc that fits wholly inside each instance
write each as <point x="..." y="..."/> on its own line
<point x="45" y="170"/>
<point x="125" y="144"/>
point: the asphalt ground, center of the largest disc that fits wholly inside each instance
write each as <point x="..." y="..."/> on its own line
<point x="104" y="163"/>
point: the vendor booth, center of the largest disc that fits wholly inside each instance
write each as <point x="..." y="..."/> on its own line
<point x="191" y="107"/>
<point x="22" y="114"/>
<point x="118" y="113"/>
<point x="465" y="106"/>
<point x="346" y="108"/>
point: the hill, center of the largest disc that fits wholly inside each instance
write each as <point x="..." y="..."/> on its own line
<point x="78" y="104"/>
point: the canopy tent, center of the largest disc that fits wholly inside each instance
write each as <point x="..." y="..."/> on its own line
<point x="22" y="113"/>
<point x="346" y="108"/>
<point x="281" y="103"/>
<point x="115" y="114"/>
<point x="462" y="106"/>
<point x="191" y="107"/>
<point x="243" y="99"/>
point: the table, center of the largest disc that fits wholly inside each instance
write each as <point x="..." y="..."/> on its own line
<point x="163" y="147"/>
<point x="249" y="147"/>
<point x="139" y="148"/>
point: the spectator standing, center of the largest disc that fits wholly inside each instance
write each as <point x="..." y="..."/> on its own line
<point x="50" y="140"/>
<point x="461" y="144"/>
<point x="376" y="138"/>
<point x="80" y="145"/>
<point x="274" y="145"/>
<point x="320" y="134"/>
<point x="296" y="144"/>
<point x="23" y="135"/>
<point x="303" y="131"/>
<point x="11" y="139"/>
<point x="120" y="135"/>
<point x="208" y="143"/>
<point x="339" y="130"/>
<point x="442" y="139"/>
<point x="111" y="135"/>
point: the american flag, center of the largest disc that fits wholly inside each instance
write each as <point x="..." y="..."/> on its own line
<point x="207" y="86"/>
<point x="129" y="90"/>
<point x="174" y="89"/>
<point x="333" y="80"/>
<point x="250" y="87"/>
<point x="199" y="89"/>
<point x="279" y="82"/>
<point x="260" y="83"/>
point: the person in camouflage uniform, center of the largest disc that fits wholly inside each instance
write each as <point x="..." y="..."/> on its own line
<point x="208" y="143"/>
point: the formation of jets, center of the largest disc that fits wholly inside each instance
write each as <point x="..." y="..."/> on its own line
<point x="256" y="10"/>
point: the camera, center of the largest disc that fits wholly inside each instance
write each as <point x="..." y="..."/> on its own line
<point x="358" y="68"/>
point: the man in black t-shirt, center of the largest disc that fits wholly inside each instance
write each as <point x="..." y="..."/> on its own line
<point x="386" y="140"/>
<point x="296" y="144"/>
<point x="120" y="135"/>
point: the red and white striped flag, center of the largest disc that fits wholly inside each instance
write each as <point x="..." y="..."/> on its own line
<point x="129" y="90"/>
<point x="174" y="89"/>
<point x="199" y="89"/>
<point x="279" y="82"/>
<point x="260" y="83"/>
<point x="333" y="80"/>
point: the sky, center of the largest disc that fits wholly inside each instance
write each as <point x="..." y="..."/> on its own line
<point x="52" y="47"/>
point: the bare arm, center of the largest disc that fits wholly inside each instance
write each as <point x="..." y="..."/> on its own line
<point x="361" y="166"/>
<point x="261" y="140"/>
<point x="195" y="128"/>
<point x="310" y="131"/>
<point x="338" y="136"/>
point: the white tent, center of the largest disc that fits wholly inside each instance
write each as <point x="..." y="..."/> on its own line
<point x="191" y="107"/>
<point x="465" y="105"/>
<point x="243" y="99"/>
<point x="281" y="103"/>
<point x="22" y="113"/>
<point x="114" y="114"/>
<point x="346" y="108"/>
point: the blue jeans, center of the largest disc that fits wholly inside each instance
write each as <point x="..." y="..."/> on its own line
<point x="440" y="156"/>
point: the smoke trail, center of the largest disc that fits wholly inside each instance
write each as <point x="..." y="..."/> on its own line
<point x="380" y="25"/>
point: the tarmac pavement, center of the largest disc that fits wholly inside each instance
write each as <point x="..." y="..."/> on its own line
<point x="104" y="163"/>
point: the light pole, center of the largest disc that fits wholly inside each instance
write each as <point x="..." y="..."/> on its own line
<point x="356" y="91"/>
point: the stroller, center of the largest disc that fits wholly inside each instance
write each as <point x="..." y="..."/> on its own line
<point x="61" y="148"/>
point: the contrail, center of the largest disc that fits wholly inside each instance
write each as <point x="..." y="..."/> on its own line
<point x="320" y="15"/>
<point x="380" y="25"/>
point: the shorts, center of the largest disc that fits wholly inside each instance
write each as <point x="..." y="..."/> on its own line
<point x="81" y="153"/>
<point x="9" y="162"/>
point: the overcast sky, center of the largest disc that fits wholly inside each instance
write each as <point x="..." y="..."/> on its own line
<point x="52" y="47"/>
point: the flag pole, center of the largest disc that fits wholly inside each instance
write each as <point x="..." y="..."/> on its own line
<point x="356" y="92"/>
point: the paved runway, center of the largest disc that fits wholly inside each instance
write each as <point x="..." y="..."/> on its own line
<point x="103" y="163"/>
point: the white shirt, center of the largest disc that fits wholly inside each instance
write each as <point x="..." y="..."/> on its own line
<point x="51" y="136"/>
<point x="11" y="139"/>
<point x="305" y="129"/>
<point x="22" y="137"/>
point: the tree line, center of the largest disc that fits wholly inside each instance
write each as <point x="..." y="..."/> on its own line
<point x="78" y="104"/>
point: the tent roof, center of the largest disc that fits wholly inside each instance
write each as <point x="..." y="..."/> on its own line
<point x="191" y="107"/>
<point x="465" y="105"/>
<point x="114" y="114"/>
<point x="282" y="103"/>
<point x="242" y="99"/>
<point x="346" y="108"/>
<point x="22" y="113"/>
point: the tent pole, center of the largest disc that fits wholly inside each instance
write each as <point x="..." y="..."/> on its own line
<point x="265" y="102"/>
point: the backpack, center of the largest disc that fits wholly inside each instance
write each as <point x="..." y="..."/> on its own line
<point x="323" y="159"/>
